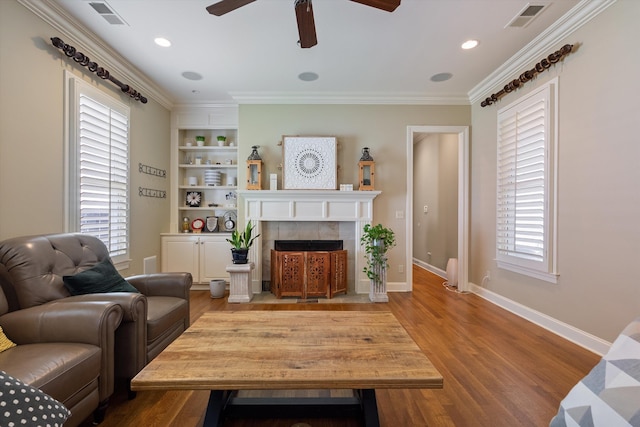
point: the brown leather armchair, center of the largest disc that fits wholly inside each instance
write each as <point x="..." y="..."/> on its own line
<point x="66" y="350"/>
<point x="31" y="272"/>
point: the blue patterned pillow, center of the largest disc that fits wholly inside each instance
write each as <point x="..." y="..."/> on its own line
<point x="609" y="396"/>
<point x="23" y="405"/>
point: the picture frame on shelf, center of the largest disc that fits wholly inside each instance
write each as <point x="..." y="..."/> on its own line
<point x="211" y="224"/>
<point x="197" y="225"/>
<point x="193" y="199"/>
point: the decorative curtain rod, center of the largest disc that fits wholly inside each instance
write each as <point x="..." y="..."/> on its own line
<point x="529" y="74"/>
<point x="84" y="60"/>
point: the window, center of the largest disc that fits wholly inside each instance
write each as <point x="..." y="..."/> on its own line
<point x="526" y="218"/>
<point x="98" y="167"/>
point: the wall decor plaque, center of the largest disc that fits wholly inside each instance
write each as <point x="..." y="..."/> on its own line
<point x="309" y="162"/>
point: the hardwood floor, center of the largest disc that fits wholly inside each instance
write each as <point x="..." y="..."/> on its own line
<point x="498" y="369"/>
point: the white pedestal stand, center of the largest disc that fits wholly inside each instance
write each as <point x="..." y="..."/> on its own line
<point x="378" y="290"/>
<point x="240" y="282"/>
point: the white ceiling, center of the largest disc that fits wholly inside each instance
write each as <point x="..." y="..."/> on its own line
<point x="251" y="54"/>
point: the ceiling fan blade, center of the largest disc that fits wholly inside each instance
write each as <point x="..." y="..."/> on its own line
<point x="306" y="24"/>
<point x="226" y="6"/>
<point x="388" y="5"/>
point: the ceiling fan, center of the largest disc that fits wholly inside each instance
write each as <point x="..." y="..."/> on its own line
<point x="304" y="14"/>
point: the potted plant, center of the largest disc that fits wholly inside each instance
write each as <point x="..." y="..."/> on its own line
<point x="377" y="240"/>
<point x="221" y="140"/>
<point x="241" y="242"/>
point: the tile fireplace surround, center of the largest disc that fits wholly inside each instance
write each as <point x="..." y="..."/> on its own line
<point x="309" y="214"/>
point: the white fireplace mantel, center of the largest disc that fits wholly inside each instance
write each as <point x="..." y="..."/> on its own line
<point x="309" y="205"/>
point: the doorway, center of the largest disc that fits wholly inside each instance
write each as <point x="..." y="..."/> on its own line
<point x="461" y="134"/>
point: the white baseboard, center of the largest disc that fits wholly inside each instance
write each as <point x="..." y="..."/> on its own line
<point x="431" y="268"/>
<point x="575" y="335"/>
<point x="364" y="286"/>
<point x="398" y="287"/>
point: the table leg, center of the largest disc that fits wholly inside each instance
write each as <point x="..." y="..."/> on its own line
<point x="223" y="404"/>
<point x="217" y="401"/>
<point x="369" y="407"/>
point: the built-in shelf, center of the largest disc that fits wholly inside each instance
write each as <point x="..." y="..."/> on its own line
<point x="204" y="255"/>
<point x="190" y="161"/>
<point x="208" y="166"/>
<point x="208" y="208"/>
<point x="208" y="187"/>
<point x="207" y="148"/>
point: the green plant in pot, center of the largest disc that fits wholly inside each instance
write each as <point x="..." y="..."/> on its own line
<point x="241" y="242"/>
<point x="377" y="240"/>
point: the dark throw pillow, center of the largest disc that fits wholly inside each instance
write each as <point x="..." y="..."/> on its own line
<point x="101" y="278"/>
<point x="23" y="405"/>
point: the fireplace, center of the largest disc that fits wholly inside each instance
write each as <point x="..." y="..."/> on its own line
<point x="307" y="245"/>
<point x="308" y="215"/>
<point x="308" y="268"/>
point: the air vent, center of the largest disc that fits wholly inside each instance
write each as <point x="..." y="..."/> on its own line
<point x="107" y="13"/>
<point x="526" y="15"/>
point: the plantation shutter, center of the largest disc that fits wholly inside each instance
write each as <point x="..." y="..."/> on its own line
<point x="522" y="235"/>
<point x="103" y="162"/>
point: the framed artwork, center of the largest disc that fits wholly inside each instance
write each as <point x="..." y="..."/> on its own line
<point x="194" y="198"/>
<point x="309" y="162"/>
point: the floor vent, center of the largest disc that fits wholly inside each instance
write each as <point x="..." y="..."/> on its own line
<point x="107" y="13"/>
<point x="526" y="15"/>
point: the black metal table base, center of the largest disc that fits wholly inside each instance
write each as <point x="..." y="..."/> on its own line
<point x="225" y="404"/>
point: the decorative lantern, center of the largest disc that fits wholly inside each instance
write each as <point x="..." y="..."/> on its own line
<point x="366" y="170"/>
<point x="254" y="170"/>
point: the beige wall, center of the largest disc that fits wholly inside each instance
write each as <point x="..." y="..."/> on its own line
<point x="598" y="183"/>
<point x="380" y="127"/>
<point x="31" y="137"/>
<point x="435" y="185"/>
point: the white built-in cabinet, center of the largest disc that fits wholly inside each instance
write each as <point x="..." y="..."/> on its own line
<point x="204" y="255"/>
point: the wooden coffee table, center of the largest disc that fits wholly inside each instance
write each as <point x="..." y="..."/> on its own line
<point x="291" y="350"/>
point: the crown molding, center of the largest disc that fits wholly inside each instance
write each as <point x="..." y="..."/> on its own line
<point x="66" y="25"/>
<point x="346" y="98"/>
<point x="203" y="105"/>
<point x="541" y="46"/>
<point x="85" y="40"/>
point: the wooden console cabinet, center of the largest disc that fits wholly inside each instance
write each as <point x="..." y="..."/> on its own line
<point x="308" y="274"/>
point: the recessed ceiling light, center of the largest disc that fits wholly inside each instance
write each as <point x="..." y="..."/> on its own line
<point x="308" y="76"/>
<point x="469" y="44"/>
<point x="192" y="75"/>
<point x="161" y="41"/>
<point x="441" y="77"/>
